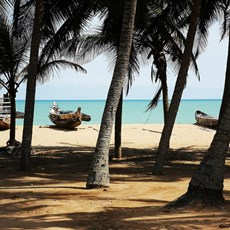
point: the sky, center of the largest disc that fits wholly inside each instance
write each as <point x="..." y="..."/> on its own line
<point x="72" y="85"/>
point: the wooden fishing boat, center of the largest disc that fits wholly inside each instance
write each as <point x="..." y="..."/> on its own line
<point x="205" y="119"/>
<point x="66" y="118"/>
<point x="4" y="123"/>
<point x="19" y="115"/>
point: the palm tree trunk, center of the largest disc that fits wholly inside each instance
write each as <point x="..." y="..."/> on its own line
<point x="118" y="126"/>
<point x="206" y="185"/>
<point x="12" y="84"/>
<point x="12" y="115"/>
<point x="31" y="86"/>
<point x="179" y="87"/>
<point x="227" y="83"/>
<point x="165" y="96"/>
<point x="17" y="4"/>
<point x="99" y="171"/>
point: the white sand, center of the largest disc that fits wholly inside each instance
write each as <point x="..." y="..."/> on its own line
<point x="134" y="135"/>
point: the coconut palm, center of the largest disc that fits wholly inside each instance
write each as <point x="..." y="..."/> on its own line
<point x="148" y="37"/>
<point x="159" y="60"/>
<point x="99" y="171"/>
<point x="158" y="44"/>
<point x="226" y="32"/>
<point x="163" y="35"/>
<point x="14" y="44"/>
<point x="31" y="83"/>
<point x="118" y="128"/>
<point x="206" y="185"/>
<point x="14" y="47"/>
<point x="106" y="41"/>
<point x="49" y="15"/>
<point x="198" y="7"/>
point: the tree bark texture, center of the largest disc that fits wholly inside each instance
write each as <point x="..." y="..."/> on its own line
<point x="12" y="115"/>
<point x="99" y="170"/>
<point x="118" y="128"/>
<point x="206" y="185"/>
<point x="31" y="86"/>
<point x="226" y="84"/>
<point x="179" y="87"/>
<point x="165" y="96"/>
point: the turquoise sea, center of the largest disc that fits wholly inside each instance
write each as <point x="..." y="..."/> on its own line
<point x="134" y="111"/>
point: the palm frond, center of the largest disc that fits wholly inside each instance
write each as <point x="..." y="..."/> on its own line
<point x="45" y="70"/>
<point x="3" y="83"/>
<point x="13" y="49"/>
<point x="72" y="21"/>
<point x="225" y="9"/>
<point x="155" y="100"/>
<point x="90" y="46"/>
<point x="23" y="18"/>
<point x="5" y="5"/>
<point x="133" y="69"/>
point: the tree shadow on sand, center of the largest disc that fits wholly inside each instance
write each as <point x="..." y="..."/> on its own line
<point x="53" y="193"/>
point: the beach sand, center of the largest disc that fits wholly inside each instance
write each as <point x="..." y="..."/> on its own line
<point x="133" y="136"/>
<point x="53" y="195"/>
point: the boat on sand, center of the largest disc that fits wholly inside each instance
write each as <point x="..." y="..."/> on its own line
<point x="67" y="119"/>
<point x="205" y="119"/>
<point x="4" y="123"/>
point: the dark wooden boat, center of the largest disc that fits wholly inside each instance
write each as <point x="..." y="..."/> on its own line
<point x="66" y="118"/>
<point x="205" y="119"/>
<point x="4" y="123"/>
<point x="19" y="115"/>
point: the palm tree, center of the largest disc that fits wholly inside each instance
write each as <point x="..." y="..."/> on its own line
<point x="148" y="37"/>
<point x="99" y="171"/>
<point x="179" y="87"/>
<point x="206" y="184"/>
<point x="14" y="44"/>
<point x="226" y="93"/>
<point x="106" y="41"/>
<point x="118" y="127"/>
<point x="47" y="14"/>
<point x="31" y="85"/>
<point x="209" y="11"/>
<point x="161" y="75"/>
<point x="164" y="37"/>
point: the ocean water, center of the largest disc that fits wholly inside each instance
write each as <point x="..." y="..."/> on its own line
<point x="134" y="111"/>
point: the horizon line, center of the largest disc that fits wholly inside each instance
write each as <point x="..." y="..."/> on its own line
<point x="184" y="99"/>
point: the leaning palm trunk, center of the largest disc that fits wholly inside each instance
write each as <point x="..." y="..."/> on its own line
<point x="179" y="87"/>
<point x="99" y="171"/>
<point x="17" y="4"/>
<point x="165" y="95"/>
<point x="12" y="115"/>
<point x="206" y="185"/>
<point x="12" y="90"/>
<point x="161" y="65"/>
<point x="118" y="127"/>
<point x="227" y="83"/>
<point x="31" y="86"/>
